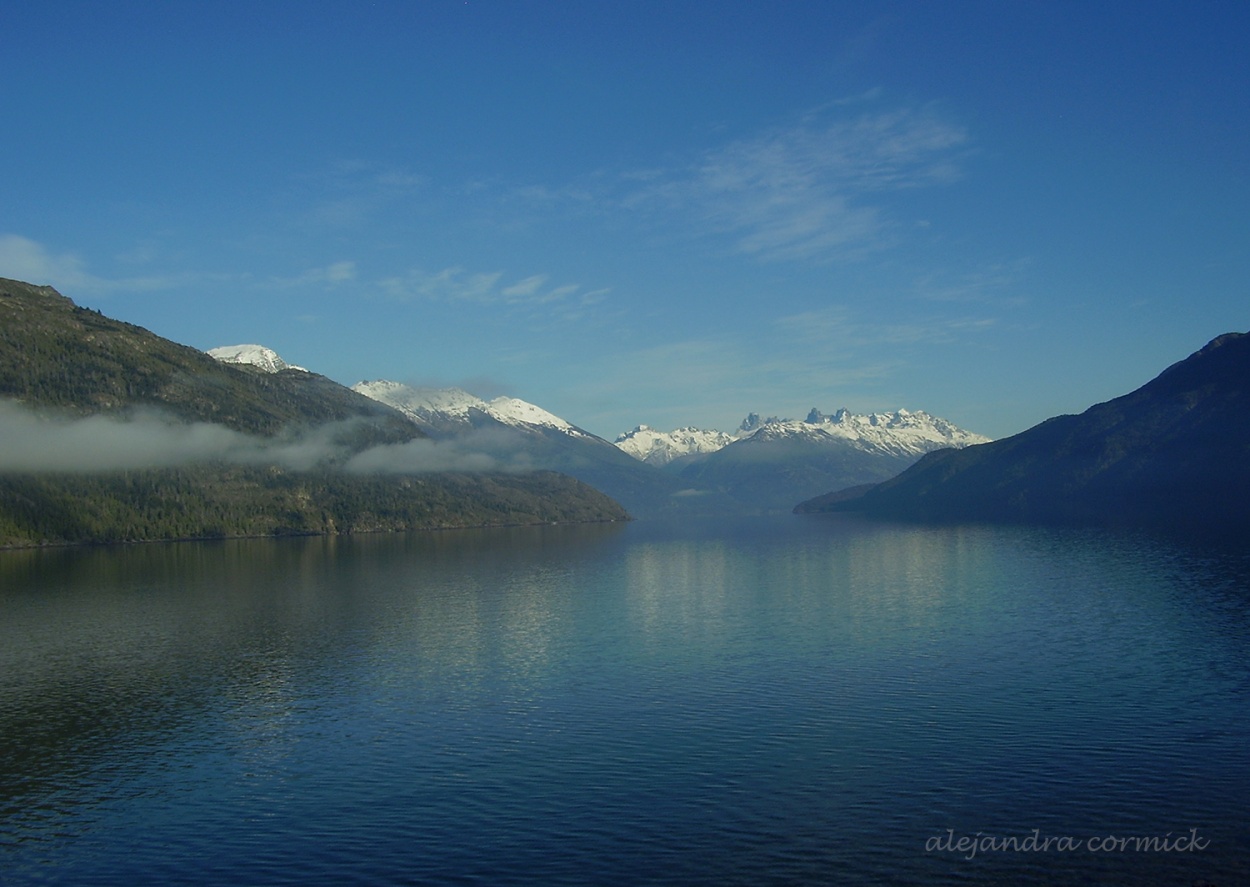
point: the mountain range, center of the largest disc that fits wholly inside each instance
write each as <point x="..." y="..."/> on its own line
<point x="765" y="465"/>
<point x="1173" y="454"/>
<point x="109" y="433"/>
<point x="770" y="464"/>
<point x="521" y="435"/>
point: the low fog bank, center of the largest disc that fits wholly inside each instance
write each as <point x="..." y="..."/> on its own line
<point x="476" y="451"/>
<point x="34" y="441"/>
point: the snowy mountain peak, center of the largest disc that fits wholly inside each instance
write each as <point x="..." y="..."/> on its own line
<point x="900" y="433"/>
<point x="659" y="448"/>
<point x="441" y="406"/>
<point x="253" y="355"/>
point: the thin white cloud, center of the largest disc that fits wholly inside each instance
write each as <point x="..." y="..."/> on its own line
<point x="336" y="272"/>
<point x="453" y="284"/>
<point x="526" y="287"/>
<point x="813" y="190"/>
<point x="560" y="292"/>
<point x="828" y="357"/>
<point x="835" y="329"/>
<point x="353" y="192"/>
<point x="456" y="284"/>
<point x="24" y="259"/>
<point x="993" y="283"/>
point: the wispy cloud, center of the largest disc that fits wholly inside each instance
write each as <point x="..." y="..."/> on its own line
<point x="24" y="259"/>
<point x="828" y="357"/>
<point x="814" y="189"/>
<point x="993" y="283"/>
<point x="352" y="192"/>
<point x="526" y="287"/>
<point x="836" y="329"/>
<point x="456" y="284"/>
<point x="328" y="275"/>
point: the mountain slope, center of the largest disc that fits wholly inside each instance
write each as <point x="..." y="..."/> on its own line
<point x="221" y="501"/>
<point x="111" y="433"/>
<point x="1173" y="453"/>
<point x="56" y="354"/>
<point x="518" y="433"/>
<point x="784" y="461"/>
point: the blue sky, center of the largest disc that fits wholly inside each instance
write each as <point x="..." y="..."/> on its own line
<point x="668" y="213"/>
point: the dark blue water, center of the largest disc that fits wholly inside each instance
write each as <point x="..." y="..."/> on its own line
<point x="770" y="701"/>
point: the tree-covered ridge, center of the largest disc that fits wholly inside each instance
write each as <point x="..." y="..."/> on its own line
<point x="54" y="353"/>
<point x="206" y="502"/>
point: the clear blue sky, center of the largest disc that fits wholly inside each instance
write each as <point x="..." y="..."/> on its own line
<point x="668" y="213"/>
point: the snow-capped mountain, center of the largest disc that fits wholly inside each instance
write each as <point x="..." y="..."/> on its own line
<point x="444" y="409"/>
<point x="900" y="433"/>
<point x="772" y="463"/>
<point x="661" y="448"/>
<point x="254" y="355"/>
<point x="518" y="434"/>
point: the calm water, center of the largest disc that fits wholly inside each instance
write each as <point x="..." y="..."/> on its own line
<point x="772" y="701"/>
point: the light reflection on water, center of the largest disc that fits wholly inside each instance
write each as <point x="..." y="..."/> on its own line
<point x="764" y="701"/>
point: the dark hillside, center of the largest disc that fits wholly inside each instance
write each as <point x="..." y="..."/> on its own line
<point x="55" y="354"/>
<point x="1175" y="453"/>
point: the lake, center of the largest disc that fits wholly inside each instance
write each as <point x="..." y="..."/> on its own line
<point x="783" y="700"/>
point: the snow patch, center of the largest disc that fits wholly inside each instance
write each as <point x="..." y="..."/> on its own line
<point x="440" y="405"/>
<point x="253" y="355"/>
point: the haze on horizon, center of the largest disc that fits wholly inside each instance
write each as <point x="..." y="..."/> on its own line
<point x="650" y="213"/>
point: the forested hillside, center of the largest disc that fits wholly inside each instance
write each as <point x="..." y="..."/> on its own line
<point x="54" y="353"/>
<point x="227" y="501"/>
<point x="60" y="363"/>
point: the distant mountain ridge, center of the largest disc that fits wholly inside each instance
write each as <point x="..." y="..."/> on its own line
<point x="516" y="432"/>
<point x="771" y="464"/>
<point x="1174" y="453"/>
<point x="898" y="433"/>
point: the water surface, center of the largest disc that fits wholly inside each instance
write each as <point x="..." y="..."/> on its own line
<point x="764" y="701"/>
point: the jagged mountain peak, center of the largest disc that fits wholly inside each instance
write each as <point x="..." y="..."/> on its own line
<point x="903" y="431"/>
<point x="899" y="433"/>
